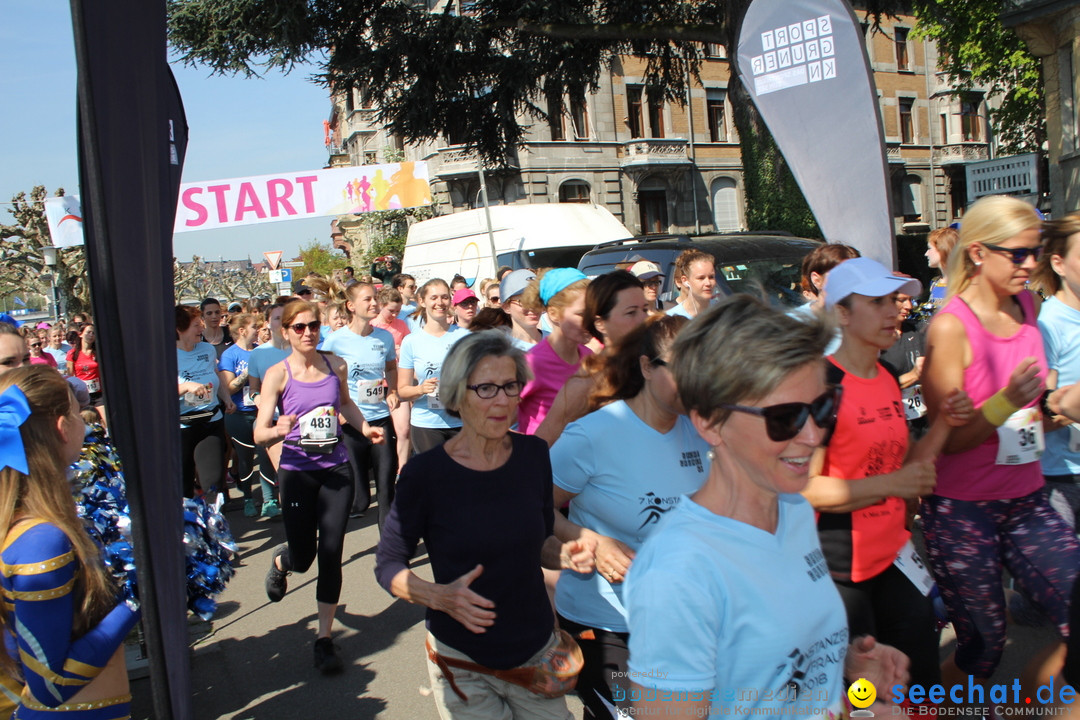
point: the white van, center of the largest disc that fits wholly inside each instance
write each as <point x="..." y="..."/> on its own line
<point x="529" y="236"/>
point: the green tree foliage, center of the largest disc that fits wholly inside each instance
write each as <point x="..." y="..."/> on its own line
<point x="22" y="264"/>
<point x="482" y="72"/>
<point x="977" y="50"/>
<point x="319" y="258"/>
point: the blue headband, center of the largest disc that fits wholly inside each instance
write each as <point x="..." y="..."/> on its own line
<point x="13" y="413"/>
<point x="557" y="280"/>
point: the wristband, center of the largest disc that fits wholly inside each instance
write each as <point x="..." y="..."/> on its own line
<point x="997" y="409"/>
<point x="1044" y="403"/>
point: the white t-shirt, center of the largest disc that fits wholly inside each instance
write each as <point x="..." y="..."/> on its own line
<point x="423" y="353"/>
<point x="620" y="494"/>
<point x="366" y="357"/>
<point x="751" y="618"/>
<point x="1060" y="327"/>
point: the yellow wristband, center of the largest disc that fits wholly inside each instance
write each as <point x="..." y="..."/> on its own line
<point x="997" y="409"/>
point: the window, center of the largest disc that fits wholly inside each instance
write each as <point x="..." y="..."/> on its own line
<point x="574" y="191"/>
<point x="579" y="116"/>
<point x="652" y="205"/>
<point x="911" y="200"/>
<point x="714" y="108"/>
<point x="900" y="37"/>
<point x="656" y="116"/>
<point x="725" y="205"/>
<point x="350" y="103"/>
<point x="555" y="118"/>
<point x="715" y="50"/>
<point x="970" y="126"/>
<point x="907" y="126"/>
<point x="944" y="128"/>
<point x="634" y="117"/>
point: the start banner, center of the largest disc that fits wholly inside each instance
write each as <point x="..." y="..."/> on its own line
<point x="292" y="196"/>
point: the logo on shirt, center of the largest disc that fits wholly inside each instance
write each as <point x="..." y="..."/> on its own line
<point x="655" y="507"/>
<point x="816" y="566"/>
<point x="692" y="458"/>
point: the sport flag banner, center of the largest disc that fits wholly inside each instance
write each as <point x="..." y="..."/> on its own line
<point x="64" y="216"/>
<point x="291" y="196"/>
<point x="805" y="66"/>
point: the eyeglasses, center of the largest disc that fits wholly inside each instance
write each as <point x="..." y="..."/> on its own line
<point x="786" y="420"/>
<point x="1019" y="255"/>
<point x="486" y="391"/>
<point x="657" y="362"/>
<point x="313" y="326"/>
<point x="493" y="298"/>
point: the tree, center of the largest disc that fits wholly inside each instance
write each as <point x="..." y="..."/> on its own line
<point x="976" y="49"/>
<point x="450" y="74"/>
<point x="225" y="281"/>
<point x="320" y="258"/>
<point x="23" y="265"/>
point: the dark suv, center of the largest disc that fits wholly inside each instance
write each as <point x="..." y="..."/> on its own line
<point x="754" y="262"/>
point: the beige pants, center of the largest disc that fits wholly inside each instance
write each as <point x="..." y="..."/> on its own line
<point x="489" y="697"/>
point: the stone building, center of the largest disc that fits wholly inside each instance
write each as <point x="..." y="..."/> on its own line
<point x="661" y="167"/>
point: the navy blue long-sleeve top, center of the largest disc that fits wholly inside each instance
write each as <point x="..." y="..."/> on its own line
<point x="499" y="519"/>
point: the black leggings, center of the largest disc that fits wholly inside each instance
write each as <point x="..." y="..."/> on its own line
<point x="364" y="455"/>
<point x="890" y="607"/>
<point x="605" y="667"/>
<point x="202" y="447"/>
<point x="424" y="439"/>
<point x="315" y="509"/>
<point x="240" y="426"/>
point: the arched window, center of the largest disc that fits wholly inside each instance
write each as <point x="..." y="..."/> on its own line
<point x="725" y="197"/>
<point x="575" y="191"/>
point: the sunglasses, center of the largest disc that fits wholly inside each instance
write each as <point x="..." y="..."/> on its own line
<point x="1019" y="255"/>
<point x="313" y="326"/>
<point x="35" y="345"/>
<point x="493" y="298"/>
<point x="783" y="422"/>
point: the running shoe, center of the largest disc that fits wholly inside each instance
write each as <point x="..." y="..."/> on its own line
<point x="270" y="509"/>
<point x="276" y="580"/>
<point x="249" y="508"/>
<point x="327" y="657"/>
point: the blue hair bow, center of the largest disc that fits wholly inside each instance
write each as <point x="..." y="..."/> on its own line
<point x="14" y="409"/>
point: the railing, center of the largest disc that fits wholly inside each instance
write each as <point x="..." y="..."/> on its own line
<point x="960" y="153"/>
<point x="647" y="151"/>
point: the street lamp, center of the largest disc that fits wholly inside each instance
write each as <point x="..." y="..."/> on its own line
<point x="48" y="254"/>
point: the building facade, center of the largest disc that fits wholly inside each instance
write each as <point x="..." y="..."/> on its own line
<point x="666" y="168"/>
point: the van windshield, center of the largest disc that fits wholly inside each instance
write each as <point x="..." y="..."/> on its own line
<point x="567" y="256"/>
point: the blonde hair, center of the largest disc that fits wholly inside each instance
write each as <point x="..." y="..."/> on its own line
<point x="530" y="297"/>
<point x="44" y="494"/>
<point x="992" y="219"/>
<point x="1056" y="234"/>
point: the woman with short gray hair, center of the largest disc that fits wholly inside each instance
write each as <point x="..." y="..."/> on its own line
<point x="482" y="503"/>
<point x="732" y="591"/>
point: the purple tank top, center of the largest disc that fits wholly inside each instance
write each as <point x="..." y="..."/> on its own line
<point x="304" y="400"/>
<point x="974" y="474"/>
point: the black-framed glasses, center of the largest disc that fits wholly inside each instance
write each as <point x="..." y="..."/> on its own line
<point x="786" y="420"/>
<point x="486" y="391"/>
<point x="313" y="326"/>
<point x="493" y="298"/>
<point x="1019" y="255"/>
<point x="657" y="362"/>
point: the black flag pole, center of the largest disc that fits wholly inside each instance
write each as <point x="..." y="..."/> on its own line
<point x="132" y="139"/>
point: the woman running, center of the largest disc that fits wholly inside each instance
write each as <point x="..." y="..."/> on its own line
<point x="695" y="275"/>
<point x="310" y="390"/>
<point x="372" y="371"/>
<point x="82" y="362"/>
<point x="214" y="333"/>
<point x="390" y="305"/>
<point x="240" y="425"/>
<point x="988" y="511"/>
<point x="64" y="625"/>
<point x="266" y="355"/>
<point x="553" y="360"/>
<point x="422" y="355"/>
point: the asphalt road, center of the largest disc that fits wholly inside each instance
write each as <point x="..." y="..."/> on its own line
<point x="254" y="660"/>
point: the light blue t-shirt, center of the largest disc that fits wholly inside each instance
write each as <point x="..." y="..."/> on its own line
<point x="620" y="494"/>
<point x="751" y="618"/>
<point x="199" y="365"/>
<point x="423" y="353"/>
<point x="366" y="357"/>
<point x="1060" y="327"/>
<point x="235" y="360"/>
<point x="60" y="355"/>
<point x="406" y="314"/>
<point x="263" y="358"/>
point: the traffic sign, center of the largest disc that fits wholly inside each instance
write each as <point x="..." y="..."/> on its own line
<point x="293" y="264"/>
<point x="273" y="258"/>
<point x="284" y="289"/>
<point x="281" y="276"/>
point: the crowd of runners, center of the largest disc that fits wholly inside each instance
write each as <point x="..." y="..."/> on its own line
<point x="716" y="507"/>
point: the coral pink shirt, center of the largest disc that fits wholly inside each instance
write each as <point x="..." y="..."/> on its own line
<point x="396" y="327"/>
<point x="550" y="373"/>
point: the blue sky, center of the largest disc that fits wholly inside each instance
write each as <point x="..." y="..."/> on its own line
<point x="237" y="127"/>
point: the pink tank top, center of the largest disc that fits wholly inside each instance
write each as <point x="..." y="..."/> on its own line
<point x="974" y="474"/>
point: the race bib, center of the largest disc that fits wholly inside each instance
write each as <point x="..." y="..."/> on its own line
<point x="248" y="402"/>
<point x="93" y="386"/>
<point x="433" y="401"/>
<point x="370" y="392"/>
<point x="909" y="563"/>
<point x="1020" y="438"/>
<point x="1074" y="438"/>
<point x="319" y="425"/>
<point x="914" y="408"/>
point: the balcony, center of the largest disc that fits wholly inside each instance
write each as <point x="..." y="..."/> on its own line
<point x="458" y="161"/>
<point x="960" y="153"/>
<point x="653" y="152"/>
